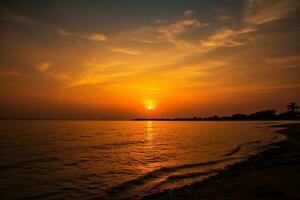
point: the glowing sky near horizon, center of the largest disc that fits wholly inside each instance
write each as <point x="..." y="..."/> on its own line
<point x="113" y="59"/>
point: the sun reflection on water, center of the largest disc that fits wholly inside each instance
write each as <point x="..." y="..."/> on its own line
<point x="149" y="131"/>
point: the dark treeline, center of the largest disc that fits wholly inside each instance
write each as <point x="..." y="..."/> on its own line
<point x="291" y="113"/>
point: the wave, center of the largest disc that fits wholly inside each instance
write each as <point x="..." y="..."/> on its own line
<point x="181" y="177"/>
<point x="43" y="195"/>
<point x="164" y="172"/>
<point x="117" y="145"/>
<point x="239" y="147"/>
<point x="189" y="175"/>
<point x="28" y="163"/>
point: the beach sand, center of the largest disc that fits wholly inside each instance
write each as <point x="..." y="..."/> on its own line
<point x="273" y="174"/>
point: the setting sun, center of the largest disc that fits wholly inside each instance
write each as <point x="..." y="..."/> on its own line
<point x="149" y="107"/>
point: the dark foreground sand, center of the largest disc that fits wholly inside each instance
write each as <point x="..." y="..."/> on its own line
<point x="271" y="175"/>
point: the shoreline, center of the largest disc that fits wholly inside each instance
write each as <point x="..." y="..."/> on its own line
<point x="271" y="174"/>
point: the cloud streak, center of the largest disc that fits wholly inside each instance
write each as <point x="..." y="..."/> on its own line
<point x="8" y="15"/>
<point x="42" y="67"/>
<point x="227" y="37"/>
<point x="286" y="62"/>
<point x="7" y="73"/>
<point x="97" y="37"/>
<point x="265" y="11"/>
<point x="125" y="51"/>
<point x="171" y="32"/>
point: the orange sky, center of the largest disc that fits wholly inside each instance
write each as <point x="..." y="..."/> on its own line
<point x="110" y="60"/>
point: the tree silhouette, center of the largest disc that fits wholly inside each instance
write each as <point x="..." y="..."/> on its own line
<point x="292" y="108"/>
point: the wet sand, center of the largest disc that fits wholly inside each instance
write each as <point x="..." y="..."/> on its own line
<point x="271" y="175"/>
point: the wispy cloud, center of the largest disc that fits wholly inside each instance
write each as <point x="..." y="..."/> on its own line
<point x="227" y="37"/>
<point x="42" y="67"/>
<point x="287" y="62"/>
<point x="8" y="15"/>
<point x="59" y="76"/>
<point x="145" y="34"/>
<point x="64" y="32"/>
<point x="264" y="86"/>
<point x="10" y="73"/>
<point x="264" y="11"/>
<point x="188" y="13"/>
<point x="166" y="31"/>
<point x="125" y="51"/>
<point x="98" y="37"/>
<point x="224" y="15"/>
<point x="171" y="32"/>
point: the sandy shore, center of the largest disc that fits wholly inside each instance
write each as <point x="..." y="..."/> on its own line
<point x="273" y="174"/>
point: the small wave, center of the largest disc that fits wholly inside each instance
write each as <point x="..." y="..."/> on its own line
<point x="164" y="171"/>
<point x="239" y="147"/>
<point x="42" y="195"/>
<point x="180" y="177"/>
<point x="117" y="145"/>
<point x="86" y="136"/>
<point x="70" y="164"/>
<point x="23" y="164"/>
<point x="189" y="175"/>
<point x="6" y="167"/>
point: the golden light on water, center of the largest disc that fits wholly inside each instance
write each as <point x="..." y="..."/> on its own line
<point x="149" y="131"/>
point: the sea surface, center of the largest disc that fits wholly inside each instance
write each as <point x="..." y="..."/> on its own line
<point x="119" y="159"/>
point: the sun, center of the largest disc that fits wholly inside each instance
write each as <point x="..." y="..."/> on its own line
<point x="149" y="107"/>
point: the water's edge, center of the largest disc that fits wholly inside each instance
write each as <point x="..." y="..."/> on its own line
<point x="277" y="144"/>
<point x="119" y="192"/>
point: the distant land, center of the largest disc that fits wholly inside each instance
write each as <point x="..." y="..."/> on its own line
<point x="291" y="113"/>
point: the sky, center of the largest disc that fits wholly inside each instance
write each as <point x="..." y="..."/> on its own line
<point x="121" y="59"/>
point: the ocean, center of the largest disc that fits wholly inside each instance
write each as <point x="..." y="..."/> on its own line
<point x="61" y="159"/>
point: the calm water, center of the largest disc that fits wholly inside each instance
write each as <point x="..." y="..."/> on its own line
<point x="118" y="159"/>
